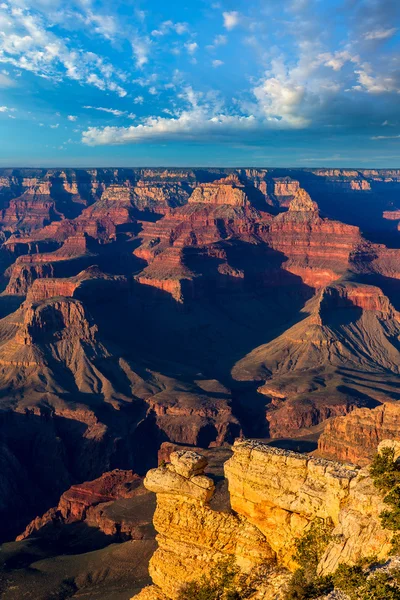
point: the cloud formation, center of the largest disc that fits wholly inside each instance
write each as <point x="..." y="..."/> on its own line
<point x="28" y="43"/>
<point x="231" y="19"/>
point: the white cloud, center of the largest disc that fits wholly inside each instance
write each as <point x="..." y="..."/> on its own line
<point x="191" y="47"/>
<point x="141" y="50"/>
<point x="378" y="84"/>
<point x="231" y="19"/>
<point x="28" y="42"/>
<point x="281" y="100"/>
<point x="220" y="40"/>
<point x="72" y="118"/>
<point x="380" y="34"/>
<point x="337" y="60"/>
<point x="7" y="109"/>
<point x="105" y="25"/>
<point x="169" y="26"/>
<point x="138" y="100"/>
<point x="192" y="124"/>
<point x="385" y="137"/>
<point x="112" y="111"/>
<point x="217" y="63"/>
<point x="56" y="126"/>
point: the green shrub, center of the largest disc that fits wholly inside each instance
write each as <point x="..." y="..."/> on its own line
<point x="384" y="470"/>
<point x="225" y="582"/>
<point x="309" y="550"/>
<point x="312" y="545"/>
<point x="302" y="587"/>
<point x="359" y="584"/>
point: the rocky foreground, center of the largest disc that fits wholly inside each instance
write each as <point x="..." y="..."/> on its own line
<point x="273" y="496"/>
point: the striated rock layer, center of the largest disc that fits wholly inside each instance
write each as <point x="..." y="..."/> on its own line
<point x="192" y="536"/>
<point x="356" y="436"/>
<point x="275" y="496"/>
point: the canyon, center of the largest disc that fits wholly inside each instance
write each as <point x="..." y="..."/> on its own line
<point x="147" y="312"/>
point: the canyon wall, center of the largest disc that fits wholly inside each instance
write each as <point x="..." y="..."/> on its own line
<point x="273" y="497"/>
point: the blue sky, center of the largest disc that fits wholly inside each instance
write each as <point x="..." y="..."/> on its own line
<point x="206" y="82"/>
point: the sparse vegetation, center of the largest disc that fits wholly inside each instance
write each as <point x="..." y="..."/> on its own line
<point x="385" y="472"/>
<point x="225" y="582"/>
<point x="359" y="583"/>
<point x="305" y="582"/>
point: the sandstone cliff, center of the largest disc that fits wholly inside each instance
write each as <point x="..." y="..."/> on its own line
<point x="356" y="436"/>
<point x="274" y="496"/>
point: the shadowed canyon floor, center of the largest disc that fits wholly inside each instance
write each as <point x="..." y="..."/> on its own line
<point x="142" y="307"/>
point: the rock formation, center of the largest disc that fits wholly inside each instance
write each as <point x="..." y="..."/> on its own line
<point x="116" y="503"/>
<point x="356" y="436"/>
<point x="191" y="535"/>
<point x="274" y="495"/>
<point x="325" y="365"/>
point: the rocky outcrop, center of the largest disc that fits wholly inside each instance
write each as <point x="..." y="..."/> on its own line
<point x="281" y="492"/>
<point x="223" y="191"/>
<point x="114" y="503"/>
<point x="355" y="437"/>
<point x="66" y="260"/>
<point x="275" y="495"/>
<point x="191" y="535"/>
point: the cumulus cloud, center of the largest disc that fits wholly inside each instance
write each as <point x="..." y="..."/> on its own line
<point x="338" y="59"/>
<point x="138" y="100"/>
<point x="282" y="101"/>
<point x="192" y="124"/>
<point x="217" y="63"/>
<point x="377" y="84"/>
<point x="72" y="118"/>
<point x="219" y="40"/>
<point x="192" y="47"/>
<point x="231" y="19"/>
<point x="7" y="109"/>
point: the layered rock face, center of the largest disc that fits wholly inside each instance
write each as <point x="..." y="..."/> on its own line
<point x="274" y="495"/>
<point x="281" y="492"/>
<point x="323" y="366"/>
<point x="224" y="191"/>
<point x="356" y="436"/>
<point x="191" y="535"/>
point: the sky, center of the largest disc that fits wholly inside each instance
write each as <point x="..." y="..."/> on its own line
<point x="268" y="83"/>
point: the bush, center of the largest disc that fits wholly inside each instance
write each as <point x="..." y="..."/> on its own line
<point x="385" y="472"/>
<point x="302" y="587"/>
<point x="309" y="550"/>
<point x="359" y="584"/>
<point x="225" y="582"/>
<point x="312" y="545"/>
